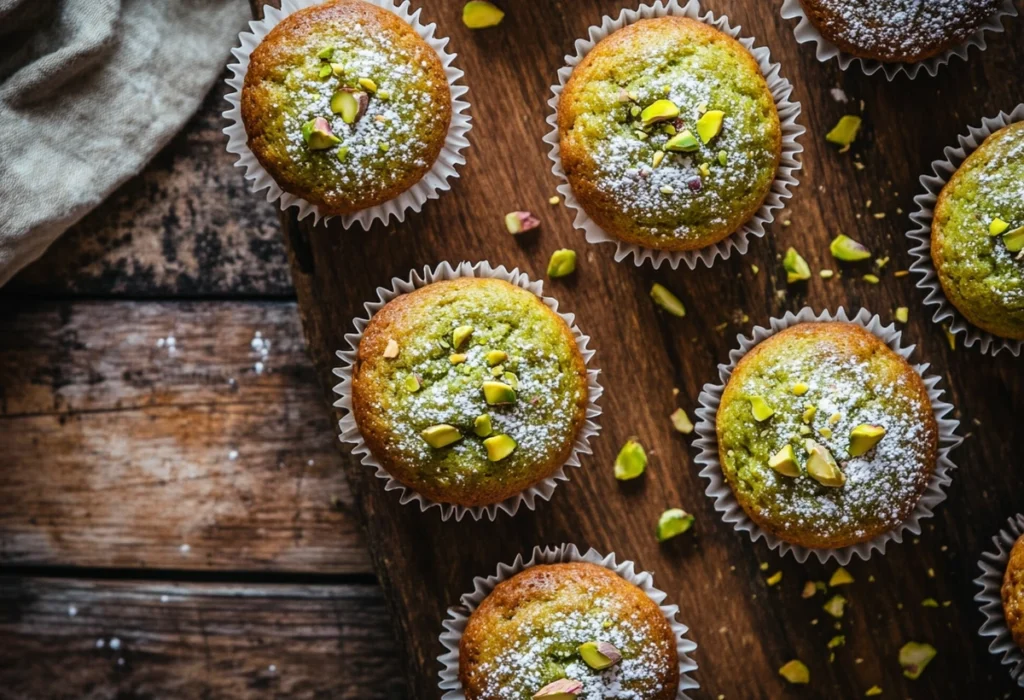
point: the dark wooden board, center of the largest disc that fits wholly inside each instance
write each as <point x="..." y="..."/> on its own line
<point x="745" y="630"/>
<point x="118" y="450"/>
<point x="191" y="640"/>
<point x="185" y="226"/>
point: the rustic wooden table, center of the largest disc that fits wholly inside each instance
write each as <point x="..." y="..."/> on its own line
<point x="175" y="517"/>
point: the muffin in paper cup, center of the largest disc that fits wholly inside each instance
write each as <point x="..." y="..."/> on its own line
<point x="785" y="175"/>
<point x="349" y="429"/>
<point x="993" y="566"/>
<point x="430" y="186"/>
<point x="458" y="615"/>
<point x="825" y="50"/>
<point x="725" y="500"/>
<point x="921" y="236"/>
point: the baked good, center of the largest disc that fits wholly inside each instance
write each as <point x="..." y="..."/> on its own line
<point x="826" y="436"/>
<point x="978" y="235"/>
<point x="1013" y="592"/>
<point x="528" y="634"/>
<point x="669" y="135"/>
<point x="897" y="31"/>
<point x="345" y="106"/>
<point x="469" y="391"/>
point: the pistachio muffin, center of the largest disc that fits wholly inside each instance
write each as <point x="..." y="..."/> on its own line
<point x="978" y="235"/>
<point x="826" y="436"/>
<point x="1013" y="592"/>
<point x="469" y="391"/>
<point x="578" y="629"/>
<point x="669" y="135"/>
<point x="345" y="106"/>
<point x="897" y="31"/>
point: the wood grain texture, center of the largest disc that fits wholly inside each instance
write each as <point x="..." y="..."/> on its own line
<point x="105" y="639"/>
<point x="745" y="629"/>
<point x="119" y="448"/>
<point x="186" y="226"/>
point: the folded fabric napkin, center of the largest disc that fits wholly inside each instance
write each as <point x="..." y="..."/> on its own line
<point x="90" y="90"/>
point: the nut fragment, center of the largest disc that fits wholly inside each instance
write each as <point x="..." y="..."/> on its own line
<point x="667" y="300"/>
<point x="797" y="269"/>
<point x="599" y="655"/>
<point x="760" y="409"/>
<point x="318" y="135"/>
<point x="841" y="577"/>
<point x="659" y="111"/>
<point x="482" y="425"/>
<point x="835" y="606"/>
<point x="796" y="671"/>
<point x="822" y="467"/>
<point x="499" y="393"/>
<point x="495" y="357"/>
<point x="681" y="422"/>
<point x="563" y="689"/>
<point x="457" y="358"/>
<point x="631" y="461"/>
<point x="784" y="462"/>
<point x="478" y="14"/>
<point x="562" y="263"/>
<point x="998" y="227"/>
<point x="848" y="250"/>
<point x="684" y="142"/>
<point x="914" y="657"/>
<point x="438" y="436"/>
<point x="1014" y="240"/>
<point x="902" y="314"/>
<point x="499" y="447"/>
<point x="864" y="437"/>
<point x="520" y="222"/>
<point x="460" y="335"/>
<point x="845" y="132"/>
<point x="710" y="125"/>
<point x="412" y="383"/>
<point x="368" y="85"/>
<point x="391" y="350"/>
<point x="350" y="104"/>
<point x="672" y="523"/>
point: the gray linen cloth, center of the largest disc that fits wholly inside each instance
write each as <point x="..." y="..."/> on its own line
<point x="90" y="90"/>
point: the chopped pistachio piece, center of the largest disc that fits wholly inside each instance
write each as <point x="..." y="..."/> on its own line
<point x="710" y="125"/>
<point x="822" y="467"/>
<point x="950" y="336"/>
<point x="497" y="371"/>
<point x="864" y="437"/>
<point x="658" y="157"/>
<point x="342" y="153"/>
<point x="499" y="447"/>
<point x="795" y="266"/>
<point x="667" y="300"/>
<point x="350" y="104"/>
<point x="774" y="579"/>
<point x="384" y="147"/>
<point x="836" y="641"/>
<point x="796" y="672"/>
<point x="554" y="199"/>
<point x="871" y="279"/>
<point x="1014" y="240"/>
<point x="511" y="379"/>
<point x="998" y="227"/>
<point x="318" y="135"/>
<point x="809" y="412"/>
<point x="412" y="383"/>
<point x="438" y="436"/>
<point x="478" y="14"/>
<point x="460" y="335"/>
<point x="845" y="132"/>
<point x="723" y="157"/>
<point x="562" y="263"/>
<point x="368" y="85"/>
<point x="666" y="189"/>
<point x="841" y="577"/>
<point x="873" y="691"/>
<point x="809" y="590"/>
<point x="599" y="655"/>
<point x="383" y="95"/>
<point x="835" y="606"/>
<point x="681" y="422"/>
<point x="799" y="389"/>
<point x="391" y="349"/>
<point x="517" y="222"/>
<point x="902" y="314"/>
<point x="914" y="657"/>
<point x="499" y="393"/>
<point x="337" y="70"/>
<point x="929" y="603"/>
<point x="684" y="142"/>
<point x="659" y="111"/>
<point x="672" y="523"/>
<point x="848" y="250"/>
<point x="826" y="274"/>
<point x="324" y="70"/>
<point x="482" y="425"/>
<point x="563" y="689"/>
<point x="495" y="357"/>
<point x="457" y="358"/>
<point x="669" y="129"/>
<point x="326" y="53"/>
<point x="784" y="462"/>
<point x="631" y="461"/>
<point x="760" y="408"/>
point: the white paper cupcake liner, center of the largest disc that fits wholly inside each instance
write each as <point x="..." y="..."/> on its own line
<point x="721" y="492"/>
<point x="458" y="615"/>
<point x="789" y="164"/>
<point x="413" y="199"/>
<point x="921" y="237"/>
<point x="542" y="490"/>
<point x="993" y="566"/>
<point x="825" y="51"/>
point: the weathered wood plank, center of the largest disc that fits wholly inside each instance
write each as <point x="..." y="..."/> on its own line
<point x="186" y="226"/>
<point x="105" y="639"/>
<point x="121" y="449"/>
<point x="714" y="575"/>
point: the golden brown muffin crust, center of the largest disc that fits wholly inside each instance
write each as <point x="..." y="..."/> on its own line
<point x="1013" y="592"/>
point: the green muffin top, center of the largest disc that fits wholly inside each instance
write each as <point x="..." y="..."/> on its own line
<point x="345" y="105"/>
<point x="575" y="624"/>
<point x="978" y="235"/>
<point x="469" y="390"/>
<point x="826" y="436"/>
<point x="669" y="134"/>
